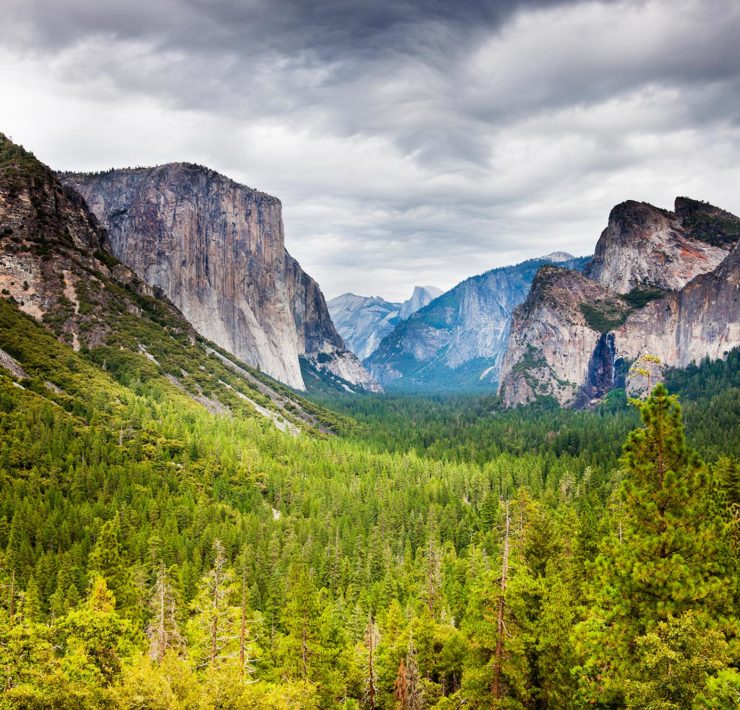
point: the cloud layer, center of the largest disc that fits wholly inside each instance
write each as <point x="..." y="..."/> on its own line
<point x="414" y="142"/>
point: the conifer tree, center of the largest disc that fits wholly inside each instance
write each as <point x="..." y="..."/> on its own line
<point x="408" y="691"/>
<point x="107" y="560"/>
<point x="663" y="559"/>
<point x="300" y="618"/>
<point x="96" y="631"/>
<point x="372" y="638"/>
<point x="32" y="607"/>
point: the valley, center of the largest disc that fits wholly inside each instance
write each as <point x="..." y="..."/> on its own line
<point x="207" y="500"/>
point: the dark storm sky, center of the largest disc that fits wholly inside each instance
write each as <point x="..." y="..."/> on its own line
<point x="410" y="142"/>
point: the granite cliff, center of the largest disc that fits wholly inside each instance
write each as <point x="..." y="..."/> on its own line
<point x="700" y="320"/>
<point x="661" y="291"/>
<point x="53" y="268"/>
<point x="216" y="249"/>
<point x="551" y="344"/>
<point x="644" y="246"/>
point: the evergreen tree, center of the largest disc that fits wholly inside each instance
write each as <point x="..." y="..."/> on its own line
<point x="663" y="559"/>
<point x="301" y="621"/>
<point x="372" y="638"/>
<point x="95" y="633"/>
<point x="107" y="560"/>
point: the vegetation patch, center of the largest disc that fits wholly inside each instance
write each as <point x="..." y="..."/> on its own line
<point x="604" y="316"/>
<point x="641" y="296"/>
<point x="719" y="230"/>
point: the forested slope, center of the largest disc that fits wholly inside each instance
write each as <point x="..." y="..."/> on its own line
<point x="156" y="554"/>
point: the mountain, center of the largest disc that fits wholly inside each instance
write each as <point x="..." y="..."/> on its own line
<point x="363" y="321"/>
<point x="551" y="343"/>
<point x="216" y="250"/>
<point x="54" y="271"/>
<point x="662" y="291"/>
<point x="457" y="340"/>
<point x="421" y="296"/>
<point x="644" y="246"/>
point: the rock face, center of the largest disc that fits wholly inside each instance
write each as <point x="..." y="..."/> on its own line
<point x="363" y="321"/>
<point x="644" y="373"/>
<point x="53" y="268"/>
<point x="644" y="246"/>
<point x="458" y="340"/>
<point x="664" y="292"/>
<point x="552" y="349"/>
<point x="216" y="249"/>
<point x="701" y="320"/>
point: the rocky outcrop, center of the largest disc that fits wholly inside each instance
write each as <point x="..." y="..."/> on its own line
<point x="647" y="247"/>
<point x="552" y="349"/>
<point x="363" y="321"/>
<point x="701" y="320"/>
<point x="643" y="374"/>
<point x="664" y="293"/>
<point x="458" y="340"/>
<point x="51" y="263"/>
<point x="216" y="249"/>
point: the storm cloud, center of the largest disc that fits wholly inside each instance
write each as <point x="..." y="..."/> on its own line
<point x="410" y="142"/>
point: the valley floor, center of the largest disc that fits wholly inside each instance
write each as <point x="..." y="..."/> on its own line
<point x="431" y="553"/>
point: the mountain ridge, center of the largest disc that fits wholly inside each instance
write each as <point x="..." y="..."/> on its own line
<point x="363" y="321"/>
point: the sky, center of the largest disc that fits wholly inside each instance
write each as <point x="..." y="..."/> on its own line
<point x="410" y="142"/>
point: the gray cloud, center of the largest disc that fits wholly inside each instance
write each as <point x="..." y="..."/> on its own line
<point x="410" y="142"/>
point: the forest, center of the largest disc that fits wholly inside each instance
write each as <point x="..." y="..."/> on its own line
<point x="432" y="553"/>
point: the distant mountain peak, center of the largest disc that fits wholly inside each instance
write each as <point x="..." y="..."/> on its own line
<point x="421" y="296"/>
<point x="558" y="257"/>
<point x="363" y="321"/>
<point x="458" y="339"/>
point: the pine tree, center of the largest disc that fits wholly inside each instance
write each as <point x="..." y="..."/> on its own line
<point x="32" y="607"/>
<point x="96" y="631"/>
<point x="372" y="638"/>
<point x="301" y="620"/>
<point x="663" y="558"/>
<point x="106" y="560"/>
<point x="408" y="691"/>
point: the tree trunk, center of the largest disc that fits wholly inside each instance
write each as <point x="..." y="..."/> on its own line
<point x="500" y="628"/>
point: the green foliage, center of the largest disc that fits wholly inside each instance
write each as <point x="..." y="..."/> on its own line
<point x="603" y="316"/>
<point x="719" y="230"/>
<point x="666" y="572"/>
<point x="639" y="297"/>
<point x="132" y="519"/>
<point x="18" y="166"/>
